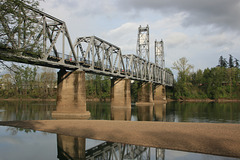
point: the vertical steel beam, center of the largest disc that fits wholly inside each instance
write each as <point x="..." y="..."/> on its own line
<point x="143" y="43"/>
<point x="44" y="36"/>
<point x="159" y="58"/>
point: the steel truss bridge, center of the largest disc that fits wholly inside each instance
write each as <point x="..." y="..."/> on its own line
<point x="118" y="151"/>
<point x="35" y="37"/>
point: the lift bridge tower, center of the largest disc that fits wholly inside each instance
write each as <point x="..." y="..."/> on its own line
<point x="143" y="42"/>
<point x="159" y="57"/>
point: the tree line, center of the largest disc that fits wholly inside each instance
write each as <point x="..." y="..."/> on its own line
<point x="23" y="81"/>
<point x="26" y="82"/>
<point x="220" y="82"/>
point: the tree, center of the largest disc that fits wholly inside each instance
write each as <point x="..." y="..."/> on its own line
<point x="23" y="79"/>
<point x="183" y="68"/>
<point x="230" y="64"/>
<point x="17" y="23"/>
<point x="183" y="84"/>
<point x="197" y="78"/>
<point x="47" y="82"/>
<point x="236" y="63"/>
<point x="222" y="62"/>
<point x="16" y="26"/>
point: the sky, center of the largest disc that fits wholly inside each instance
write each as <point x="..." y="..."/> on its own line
<point x="201" y="31"/>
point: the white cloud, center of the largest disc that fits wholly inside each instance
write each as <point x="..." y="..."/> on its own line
<point x="177" y="39"/>
<point x="219" y="40"/>
<point x="170" y="22"/>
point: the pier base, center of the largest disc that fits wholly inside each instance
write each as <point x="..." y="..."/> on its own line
<point x="120" y="93"/>
<point x="160" y="94"/>
<point x="71" y="96"/>
<point x="145" y="96"/>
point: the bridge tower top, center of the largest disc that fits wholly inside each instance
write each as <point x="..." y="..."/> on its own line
<point x="143" y="42"/>
<point x="159" y="54"/>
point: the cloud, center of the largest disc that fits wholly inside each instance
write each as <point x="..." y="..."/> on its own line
<point x="177" y="39"/>
<point x="170" y="21"/>
<point x="123" y="30"/>
<point x="219" y="40"/>
<point x="220" y="13"/>
<point x="124" y="36"/>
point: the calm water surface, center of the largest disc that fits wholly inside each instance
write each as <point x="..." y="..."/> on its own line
<point x="28" y="144"/>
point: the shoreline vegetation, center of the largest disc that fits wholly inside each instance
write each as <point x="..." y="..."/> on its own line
<point x="217" y="84"/>
<point x="108" y="100"/>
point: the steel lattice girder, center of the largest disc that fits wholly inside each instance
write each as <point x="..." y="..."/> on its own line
<point x="110" y="150"/>
<point x="90" y="54"/>
<point x="143" y="42"/>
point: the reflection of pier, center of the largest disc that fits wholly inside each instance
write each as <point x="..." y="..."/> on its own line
<point x="145" y="112"/>
<point x="70" y="147"/>
<point x="74" y="148"/>
<point x="160" y="111"/>
<point x="121" y="113"/>
<point x="152" y="112"/>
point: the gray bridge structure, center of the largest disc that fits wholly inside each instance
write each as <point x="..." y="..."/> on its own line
<point x="75" y="148"/>
<point x="35" y="37"/>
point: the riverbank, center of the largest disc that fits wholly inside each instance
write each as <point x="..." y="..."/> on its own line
<point x="190" y="137"/>
<point x="108" y="100"/>
<point x="28" y="99"/>
<point x="49" y="99"/>
<point x="208" y="100"/>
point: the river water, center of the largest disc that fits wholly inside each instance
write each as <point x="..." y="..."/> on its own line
<point x="25" y="144"/>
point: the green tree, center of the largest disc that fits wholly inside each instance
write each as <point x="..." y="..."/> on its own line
<point x="183" y="85"/>
<point x="18" y="25"/>
<point x="236" y="62"/>
<point x="98" y="86"/>
<point x="230" y="63"/>
<point x="222" y="62"/>
<point x="47" y="81"/>
<point x="184" y="69"/>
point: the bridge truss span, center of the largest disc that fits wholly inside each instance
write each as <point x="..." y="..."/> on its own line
<point x="45" y="41"/>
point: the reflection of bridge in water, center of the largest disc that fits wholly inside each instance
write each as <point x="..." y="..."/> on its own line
<point x="45" y="41"/>
<point x="74" y="148"/>
<point x="117" y="151"/>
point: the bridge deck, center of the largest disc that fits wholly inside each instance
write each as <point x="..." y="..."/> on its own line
<point x="209" y="138"/>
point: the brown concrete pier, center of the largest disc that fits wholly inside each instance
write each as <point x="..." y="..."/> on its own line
<point x="71" y="96"/>
<point x="145" y="95"/>
<point x="208" y="138"/>
<point x="159" y="93"/>
<point x="120" y="93"/>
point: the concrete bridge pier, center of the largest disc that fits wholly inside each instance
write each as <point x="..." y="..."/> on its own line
<point x="120" y="93"/>
<point x="159" y="94"/>
<point x="145" y="95"/>
<point x="71" y="96"/>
